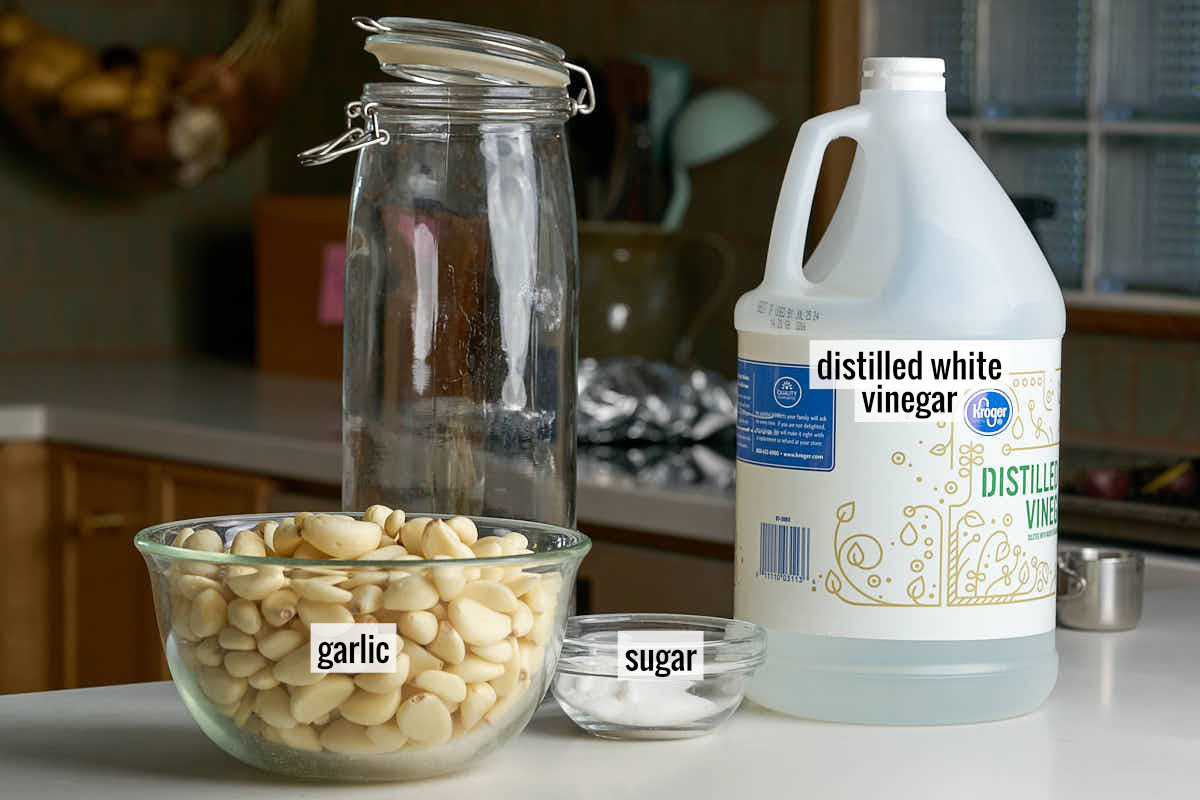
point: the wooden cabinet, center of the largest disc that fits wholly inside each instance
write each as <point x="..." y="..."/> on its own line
<point x="626" y="571"/>
<point x="74" y="592"/>
<point x="108" y="628"/>
<point x="29" y="594"/>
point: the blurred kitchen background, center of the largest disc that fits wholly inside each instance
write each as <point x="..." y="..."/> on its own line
<point x="217" y="301"/>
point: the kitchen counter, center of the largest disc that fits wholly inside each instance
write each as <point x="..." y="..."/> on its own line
<point x="1123" y="721"/>
<point x="281" y="426"/>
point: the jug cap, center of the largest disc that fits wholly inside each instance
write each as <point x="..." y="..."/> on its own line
<point x="904" y="74"/>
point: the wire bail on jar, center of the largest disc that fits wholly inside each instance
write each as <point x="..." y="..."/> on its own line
<point x="512" y="51"/>
<point x="355" y="138"/>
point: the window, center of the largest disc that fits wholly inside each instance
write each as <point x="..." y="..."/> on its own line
<point x="1088" y="112"/>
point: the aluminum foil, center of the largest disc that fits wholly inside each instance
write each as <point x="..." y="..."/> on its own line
<point x="655" y="422"/>
<point x="635" y="400"/>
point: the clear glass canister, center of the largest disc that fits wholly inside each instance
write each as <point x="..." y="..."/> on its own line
<point x="461" y="301"/>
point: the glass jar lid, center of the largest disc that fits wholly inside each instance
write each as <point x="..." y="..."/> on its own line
<point x="435" y="51"/>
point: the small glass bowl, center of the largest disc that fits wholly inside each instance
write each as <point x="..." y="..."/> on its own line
<point x="589" y="691"/>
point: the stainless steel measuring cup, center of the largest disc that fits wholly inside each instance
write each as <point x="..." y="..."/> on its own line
<point x="1100" y="589"/>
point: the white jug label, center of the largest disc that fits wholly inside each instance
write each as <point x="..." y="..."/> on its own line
<point x="933" y="527"/>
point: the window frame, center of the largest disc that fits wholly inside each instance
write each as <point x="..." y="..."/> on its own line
<point x="843" y="35"/>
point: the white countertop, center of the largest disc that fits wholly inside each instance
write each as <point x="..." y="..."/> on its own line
<point x="1123" y="722"/>
<point x="275" y="425"/>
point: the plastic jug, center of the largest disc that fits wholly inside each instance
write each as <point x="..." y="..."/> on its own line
<point x="903" y="563"/>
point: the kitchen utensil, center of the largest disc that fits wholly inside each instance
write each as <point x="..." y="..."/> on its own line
<point x="589" y="691"/>
<point x="1100" y="590"/>
<point x="460" y="326"/>
<point x="670" y="81"/>
<point x="178" y="577"/>
<point x="712" y="125"/>
<point x="632" y="190"/>
<point x="650" y="291"/>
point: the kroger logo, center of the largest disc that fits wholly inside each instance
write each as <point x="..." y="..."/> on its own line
<point x="787" y="392"/>
<point x="988" y="412"/>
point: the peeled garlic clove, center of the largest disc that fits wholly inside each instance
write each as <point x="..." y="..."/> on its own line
<point x="424" y="718"/>
<point x="371" y="708"/>
<point x="313" y="613"/>
<point x="280" y="606"/>
<point x="321" y="589"/>
<point x="523" y="582"/>
<point x="449" y="687"/>
<point x="500" y="652"/>
<point x="182" y="536"/>
<point x="412" y="532"/>
<point x="438" y="540"/>
<point x="449" y="581"/>
<point x="448" y="645"/>
<point x="384" y="682"/>
<point x="275" y="708"/>
<point x="410" y="593"/>
<point x="390" y="552"/>
<point x="311" y="701"/>
<point x="207" y="612"/>
<point x="488" y="547"/>
<point x="366" y="599"/>
<point x="493" y="594"/>
<point x="243" y="663"/>
<point x="339" y="536"/>
<point x="420" y="626"/>
<point x="420" y="659"/>
<point x="479" y="700"/>
<point x="232" y="639"/>
<point x="264" y="678"/>
<point x="513" y="543"/>
<point x="248" y="543"/>
<point x="363" y="577"/>
<point x="343" y="736"/>
<point x="522" y="620"/>
<point x="387" y="736"/>
<point x="205" y="540"/>
<point x="285" y="539"/>
<point x="301" y="737"/>
<point x="191" y="585"/>
<point x="278" y="644"/>
<point x="543" y="627"/>
<point x="506" y="684"/>
<point x="209" y="653"/>
<point x="377" y="514"/>
<point x="394" y="523"/>
<point x="476" y="623"/>
<point x="258" y="584"/>
<point x="292" y="669"/>
<point x="474" y="669"/>
<point x="219" y="686"/>
<point x="465" y="529"/>
<point x="244" y="615"/>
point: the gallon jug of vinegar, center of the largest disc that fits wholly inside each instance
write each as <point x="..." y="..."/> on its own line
<point x="897" y="442"/>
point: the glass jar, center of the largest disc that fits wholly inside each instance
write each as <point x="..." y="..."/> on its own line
<point x="461" y="301"/>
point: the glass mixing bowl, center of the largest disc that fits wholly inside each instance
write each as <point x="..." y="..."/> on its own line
<point x="235" y="632"/>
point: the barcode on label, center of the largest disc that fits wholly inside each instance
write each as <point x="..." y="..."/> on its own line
<point x="784" y="552"/>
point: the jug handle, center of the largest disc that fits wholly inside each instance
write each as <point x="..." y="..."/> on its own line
<point x="785" y="254"/>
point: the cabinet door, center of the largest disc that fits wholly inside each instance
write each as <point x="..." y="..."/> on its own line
<point x="109" y="631"/>
<point x="188" y="492"/>
<point x="621" y="577"/>
<point x="29" y="659"/>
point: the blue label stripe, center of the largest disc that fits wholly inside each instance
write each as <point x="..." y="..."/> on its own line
<point x="782" y="421"/>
